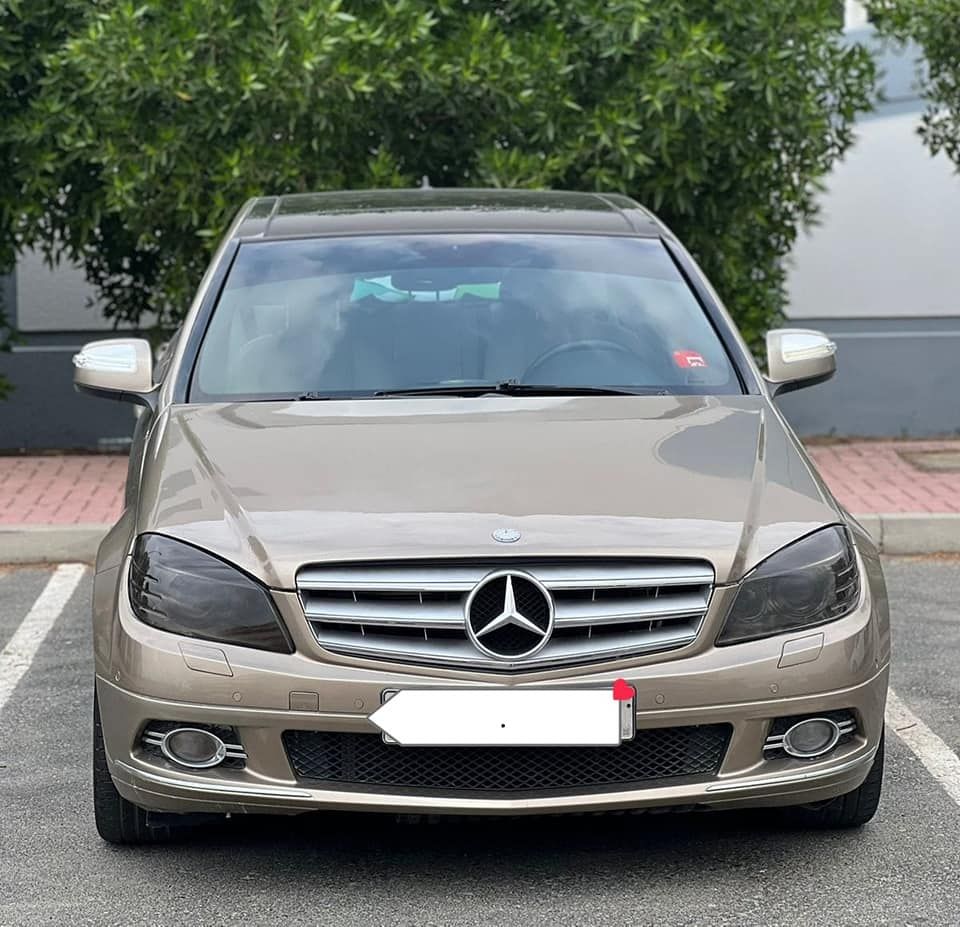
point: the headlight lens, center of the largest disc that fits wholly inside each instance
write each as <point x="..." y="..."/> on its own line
<point x="808" y="583"/>
<point x="176" y="587"/>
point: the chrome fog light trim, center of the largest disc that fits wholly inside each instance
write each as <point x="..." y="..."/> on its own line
<point x="811" y="738"/>
<point x="214" y="754"/>
<point x="774" y="747"/>
<point x="155" y="735"/>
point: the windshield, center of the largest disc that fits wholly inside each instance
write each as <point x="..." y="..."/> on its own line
<point x="356" y="317"/>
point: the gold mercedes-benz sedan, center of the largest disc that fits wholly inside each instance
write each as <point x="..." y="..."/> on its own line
<point x="474" y="502"/>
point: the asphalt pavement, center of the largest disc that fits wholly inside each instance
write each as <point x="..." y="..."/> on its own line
<point x="703" y="868"/>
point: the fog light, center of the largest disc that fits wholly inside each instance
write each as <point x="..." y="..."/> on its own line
<point x="811" y="738"/>
<point x="193" y="747"/>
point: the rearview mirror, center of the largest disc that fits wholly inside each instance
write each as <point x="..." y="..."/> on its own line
<point x="117" y="368"/>
<point x="798" y="357"/>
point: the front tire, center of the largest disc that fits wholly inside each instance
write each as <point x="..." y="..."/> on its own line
<point x="118" y="820"/>
<point x="845" y="811"/>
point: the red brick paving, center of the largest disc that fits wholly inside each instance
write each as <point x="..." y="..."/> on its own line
<point x="68" y="490"/>
<point x="867" y="477"/>
<point x="871" y="476"/>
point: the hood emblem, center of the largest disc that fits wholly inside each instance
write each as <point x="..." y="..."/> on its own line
<point x="509" y="615"/>
<point x="506" y="535"/>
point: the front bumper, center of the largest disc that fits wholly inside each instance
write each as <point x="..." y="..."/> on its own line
<point x="149" y="675"/>
<point x="268" y="785"/>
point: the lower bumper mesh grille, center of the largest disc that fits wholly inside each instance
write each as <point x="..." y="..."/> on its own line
<point x="364" y="759"/>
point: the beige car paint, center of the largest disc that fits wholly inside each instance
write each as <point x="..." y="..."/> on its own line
<point x="120" y="365"/>
<point x="274" y="486"/>
<point x="718" y="479"/>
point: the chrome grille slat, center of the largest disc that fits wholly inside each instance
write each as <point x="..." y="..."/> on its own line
<point x="413" y="611"/>
<point x="615" y="611"/>
<point x="450" y="614"/>
<point x="463" y="653"/>
<point x="431" y="577"/>
<point x="462" y="577"/>
<point x="556" y="576"/>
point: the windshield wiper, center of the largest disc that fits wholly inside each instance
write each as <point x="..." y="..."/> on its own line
<point x="513" y="388"/>
<point x="320" y="397"/>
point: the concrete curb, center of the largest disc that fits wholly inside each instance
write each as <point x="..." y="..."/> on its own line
<point x="50" y="543"/>
<point x="905" y="533"/>
<point x="897" y="533"/>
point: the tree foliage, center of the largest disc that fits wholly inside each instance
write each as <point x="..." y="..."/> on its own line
<point x="152" y="122"/>
<point x="935" y="26"/>
<point x="29" y="32"/>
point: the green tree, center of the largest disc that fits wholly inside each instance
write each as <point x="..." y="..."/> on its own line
<point x="935" y="26"/>
<point x="30" y="32"/>
<point x="154" y="121"/>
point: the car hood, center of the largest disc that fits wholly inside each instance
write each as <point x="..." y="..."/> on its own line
<point x="271" y="486"/>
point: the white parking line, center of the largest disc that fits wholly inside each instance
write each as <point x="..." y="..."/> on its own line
<point x="941" y="762"/>
<point x="16" y="657"/>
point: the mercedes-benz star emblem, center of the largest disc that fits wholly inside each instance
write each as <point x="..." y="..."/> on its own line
<point x="509" y="615"/>
<point x="506" y="535"/>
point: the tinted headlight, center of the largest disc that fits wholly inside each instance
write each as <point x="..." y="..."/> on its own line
<point x="810" y="582"/>
<point x="178" y="588"/>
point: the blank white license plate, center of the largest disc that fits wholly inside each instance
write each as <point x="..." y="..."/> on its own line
<point x="505" y="717"/>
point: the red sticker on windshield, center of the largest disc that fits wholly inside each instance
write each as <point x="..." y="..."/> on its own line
<point x="688" y="359"/>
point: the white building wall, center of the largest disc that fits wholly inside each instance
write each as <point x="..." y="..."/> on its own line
<point x="881" y="275"/>
<point x="886" y="245"/>
<point x="54" y="298"/>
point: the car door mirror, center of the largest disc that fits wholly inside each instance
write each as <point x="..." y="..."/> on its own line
<point x="117" y="368"/>
<point x="798" y="357"/>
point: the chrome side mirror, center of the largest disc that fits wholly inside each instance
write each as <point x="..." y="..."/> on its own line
<point x="798" y="357"/>
<point x="117" y="368"/>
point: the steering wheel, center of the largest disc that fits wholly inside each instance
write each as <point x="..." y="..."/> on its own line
<point x="593" y="345"/>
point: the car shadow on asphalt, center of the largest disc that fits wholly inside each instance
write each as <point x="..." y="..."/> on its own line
<point x="333" y="839"/>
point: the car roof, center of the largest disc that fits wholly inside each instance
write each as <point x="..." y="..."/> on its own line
<point x="432" y="210"/>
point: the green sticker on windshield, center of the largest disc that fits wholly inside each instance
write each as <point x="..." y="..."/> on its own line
<point x="382" y="288"/>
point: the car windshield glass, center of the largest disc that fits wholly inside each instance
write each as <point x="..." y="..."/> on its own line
<point x="356" y="317"/>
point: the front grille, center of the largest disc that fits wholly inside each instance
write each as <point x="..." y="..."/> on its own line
<point x="413" y="611"/>
<point x="365" y="760"/>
